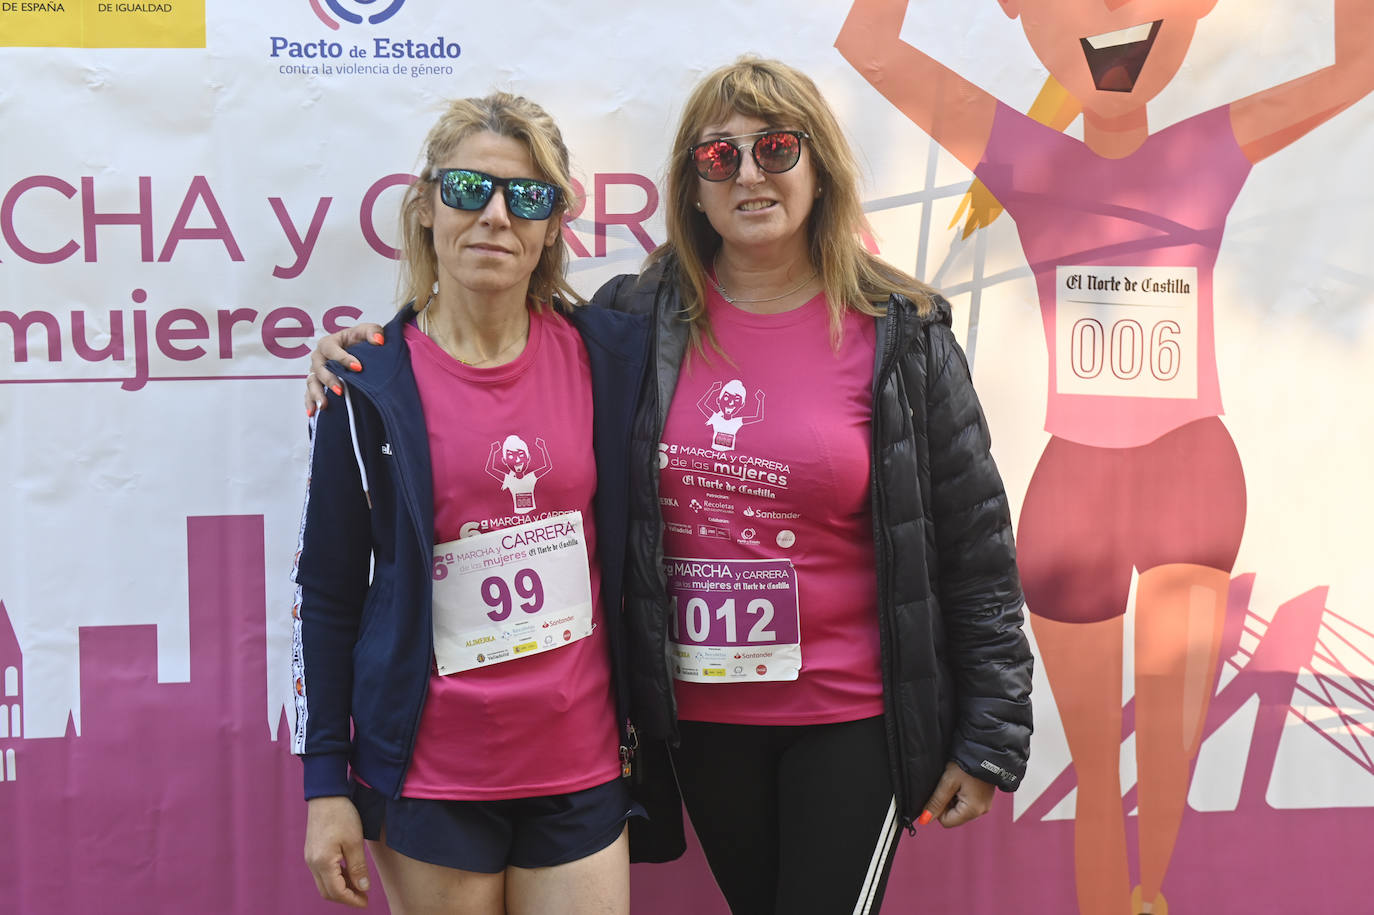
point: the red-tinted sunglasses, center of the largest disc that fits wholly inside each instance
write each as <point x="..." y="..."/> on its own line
<point x="774" y="151"/>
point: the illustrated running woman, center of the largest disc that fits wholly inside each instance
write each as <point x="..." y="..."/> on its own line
<point x="721" y="406"/>
<point x="1122" y="232"/>
<point x="518" y="479"/>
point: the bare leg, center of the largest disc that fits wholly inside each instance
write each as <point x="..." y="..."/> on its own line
<point x="1083" y="662"/>
<point x="418" y="888"/>
<point x="1180" y="610"/>
<point x="598" y="884"/>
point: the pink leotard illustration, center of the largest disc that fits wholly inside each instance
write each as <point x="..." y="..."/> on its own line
<point x="1121" y="231"/>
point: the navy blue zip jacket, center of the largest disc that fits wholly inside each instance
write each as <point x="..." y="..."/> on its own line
<point x="363" y="644"/>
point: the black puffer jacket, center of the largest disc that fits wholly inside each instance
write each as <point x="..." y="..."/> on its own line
<point x="956" y="665"/>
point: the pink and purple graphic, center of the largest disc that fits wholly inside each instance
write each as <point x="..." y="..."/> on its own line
<point x="1140" y="484"/>
<point x="735" y="603"/>
<point x="176" y="797"/>
<point x="345" y="12"/>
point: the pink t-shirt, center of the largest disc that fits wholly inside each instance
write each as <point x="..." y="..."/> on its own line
<point x="509" y="445"/>
<point x="1123" y="252"/>
<point x="765" y="472"/>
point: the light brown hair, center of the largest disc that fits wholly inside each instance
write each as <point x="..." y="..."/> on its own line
<point x="783" y="96"/>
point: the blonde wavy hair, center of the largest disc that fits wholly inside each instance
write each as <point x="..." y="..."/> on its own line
<point x="783" y="96"/>
<point x="505" y="115"/>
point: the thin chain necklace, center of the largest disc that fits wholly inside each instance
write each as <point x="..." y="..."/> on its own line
<point x="711" y="278"/>
<point x="423" y="321"/>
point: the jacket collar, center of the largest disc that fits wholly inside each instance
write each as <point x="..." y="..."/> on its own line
<point x="906" y="310"/>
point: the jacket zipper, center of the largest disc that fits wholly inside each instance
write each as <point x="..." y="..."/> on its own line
<point x="628" y="738"/>
<point x="883" y="560"/>
<point x="389" y="422"/>
<point x="660" y="422"/>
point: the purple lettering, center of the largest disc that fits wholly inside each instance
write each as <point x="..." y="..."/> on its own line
<point x="7" y="220"/>
<point x="227" y="320"/>
<point x="365" y="214"/>
<point x="332" y="318"/>
<point x="19" y="327"/>
<point x="580" y="201"/>
<point x="114" y="349"/>
<point x="273" y="331"/>
<point x="166" y="334"/>
<point x="631" y="221"/>
<point x="140" y="376"/>
<point x="301" y="248"/>
<point x="219" y="231"/>
<point x="143" y="218"/>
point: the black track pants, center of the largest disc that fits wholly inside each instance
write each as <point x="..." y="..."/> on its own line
<point x="794" y="820"/>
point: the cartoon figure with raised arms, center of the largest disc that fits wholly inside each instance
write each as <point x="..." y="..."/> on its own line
<point x="518" y="478"/>
<point x="721" y="406"/>
<point x="1122" y="231"/>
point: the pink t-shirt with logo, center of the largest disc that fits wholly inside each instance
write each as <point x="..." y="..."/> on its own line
<point x="509" y="445"/>
<point x="765" y="463"/>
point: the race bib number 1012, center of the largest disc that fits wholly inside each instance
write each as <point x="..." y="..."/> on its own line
<point x="733" y="620"/>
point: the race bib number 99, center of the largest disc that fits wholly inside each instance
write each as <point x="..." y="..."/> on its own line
<point x="1126" y="331"/>
<point x="733" y="620"/>
<point x="511" y="593"/>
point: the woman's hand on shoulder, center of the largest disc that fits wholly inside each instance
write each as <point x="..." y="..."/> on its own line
<point x="335" y="346"/>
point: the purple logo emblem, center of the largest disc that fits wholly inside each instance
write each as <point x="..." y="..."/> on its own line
<point x="341" y="9"/>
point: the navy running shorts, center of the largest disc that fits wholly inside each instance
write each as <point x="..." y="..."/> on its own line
<point x="489" y="836"/>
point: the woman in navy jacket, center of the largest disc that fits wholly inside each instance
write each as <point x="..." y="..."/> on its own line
<point x="487" y="347"/>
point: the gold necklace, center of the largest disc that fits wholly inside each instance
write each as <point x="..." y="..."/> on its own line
<point x="711" y="278"/>
<point x="443" y="341"/>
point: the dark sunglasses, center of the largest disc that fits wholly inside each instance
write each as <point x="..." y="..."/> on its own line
<point x="465" y="189"/>
<point x="774" y="151"/>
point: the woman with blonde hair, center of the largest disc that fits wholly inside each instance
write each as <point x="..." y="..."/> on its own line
<point x="824" y="619"/>
<point x="479" y="751"/>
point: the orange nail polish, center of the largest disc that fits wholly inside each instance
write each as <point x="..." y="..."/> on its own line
<point x="925" y="817"/>
<point x="337" y="389"/>
<point x="355" y="366"/>
<point x="309" y="412"/>
<point x="378" y="339"/>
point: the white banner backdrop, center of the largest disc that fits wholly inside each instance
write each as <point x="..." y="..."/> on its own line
<point x="178" y="224"/>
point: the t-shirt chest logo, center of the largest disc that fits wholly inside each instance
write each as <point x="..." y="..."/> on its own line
<point x="510" y="464"/>
<point x="723" y="406"/>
